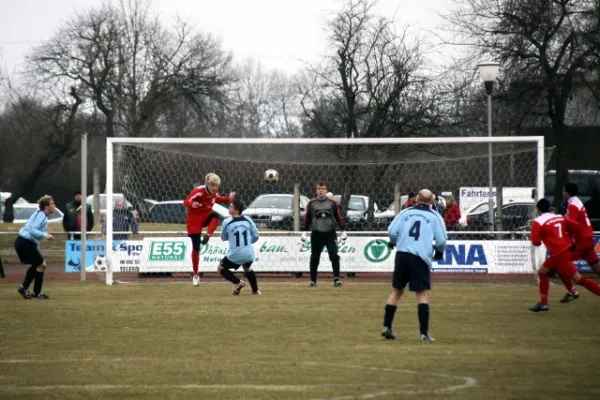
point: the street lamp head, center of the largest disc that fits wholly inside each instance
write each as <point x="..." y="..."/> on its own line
<point x="488" y="71"/>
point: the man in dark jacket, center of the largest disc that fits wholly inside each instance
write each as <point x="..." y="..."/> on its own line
<point x="123" y="221"/>
<point x="72" y="218"/>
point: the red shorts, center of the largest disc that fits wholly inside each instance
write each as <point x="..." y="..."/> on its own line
<point x="585" y="250"/>
<point x="562" y="263"/>
<point x="195" y="226"/>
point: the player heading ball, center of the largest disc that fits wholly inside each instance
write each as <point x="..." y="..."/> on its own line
<point x="199" y="203"/>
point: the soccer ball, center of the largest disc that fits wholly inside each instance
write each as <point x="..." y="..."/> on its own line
<point x="271" y="176"/>
<point x="100" y="263"/>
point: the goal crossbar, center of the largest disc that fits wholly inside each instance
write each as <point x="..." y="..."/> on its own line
<point x="328" y="141"/>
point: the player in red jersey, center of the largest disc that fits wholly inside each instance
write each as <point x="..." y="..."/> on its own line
<point x="551" y="230"/>
<point x="583" y="245"/>
<point x="199" y="204"/>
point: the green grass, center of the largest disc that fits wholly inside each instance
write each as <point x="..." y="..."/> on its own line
<point x="171" y="341"/>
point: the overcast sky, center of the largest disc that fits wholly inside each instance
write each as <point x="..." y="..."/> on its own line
<point x="279" y="33"/>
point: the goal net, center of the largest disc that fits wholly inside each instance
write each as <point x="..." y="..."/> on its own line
<point x="371" y="179"/>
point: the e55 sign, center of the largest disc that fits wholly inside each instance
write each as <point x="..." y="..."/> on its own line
<point x="167" y="251"/>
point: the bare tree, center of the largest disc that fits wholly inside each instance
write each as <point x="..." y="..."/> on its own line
<point x="36" y="137"/>
<point x="264" y="104"/>
<point x="132" y="69"/>
<point x="544" y="46"/>
<point x="369" y="84"/>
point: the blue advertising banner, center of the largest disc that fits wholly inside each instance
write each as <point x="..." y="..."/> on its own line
<point x="94" y="254"/>
<point x="581" y="265"/>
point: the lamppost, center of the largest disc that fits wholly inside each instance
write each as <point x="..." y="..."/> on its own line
<point x="488" y="72"/>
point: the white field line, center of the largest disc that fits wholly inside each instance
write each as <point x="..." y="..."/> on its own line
<point x="464" y="382"/>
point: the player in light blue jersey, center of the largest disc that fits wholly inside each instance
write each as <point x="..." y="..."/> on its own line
<point x="27" y="246"/>
<point x="414" y="231"/>
<point x="241" y="233"/>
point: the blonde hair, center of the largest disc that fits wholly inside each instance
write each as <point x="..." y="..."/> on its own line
<point x="450" y="200"/>
<point x="45" y="201"/>
<point x="212" y="179"/>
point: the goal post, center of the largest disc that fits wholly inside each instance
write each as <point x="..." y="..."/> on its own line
<point x="380" y="170"/>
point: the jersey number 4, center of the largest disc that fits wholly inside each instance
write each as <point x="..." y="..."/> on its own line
<point x="415" y="230"/>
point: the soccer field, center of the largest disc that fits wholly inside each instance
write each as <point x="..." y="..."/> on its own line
<point x="171" y="341"/>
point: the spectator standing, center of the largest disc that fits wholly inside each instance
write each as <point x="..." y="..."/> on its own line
<point x="72" y="218"/>
<point x="123" y="221"/>
<point x="412" y="201"/>
<point x="438" y="205"/>
<point x="452" y="213"/>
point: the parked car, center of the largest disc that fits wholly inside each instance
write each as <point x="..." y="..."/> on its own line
<point x="385" y="218"/>
<point x="174" y="212"/>
<point x="585" y="179"/>
<point x="275" y="211"/>
<point x="515" y="216"/>
<point x="6" y="195"/>
<point x="25" y="210"/>
<point x="357" y="210"/>
<point x="116" y="196"/>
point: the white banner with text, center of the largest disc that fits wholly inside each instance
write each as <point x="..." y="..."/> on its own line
<point x="285" y="253"/>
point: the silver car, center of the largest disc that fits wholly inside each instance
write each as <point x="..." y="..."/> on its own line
<point x="275" y="211"/>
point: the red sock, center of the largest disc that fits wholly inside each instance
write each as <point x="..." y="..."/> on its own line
<point x="544" y="287"/>
<point x="568" y="284"/>
<point x="195" y="260"/>
<point x="212" y="226"/>
<point x="589" y="285"/>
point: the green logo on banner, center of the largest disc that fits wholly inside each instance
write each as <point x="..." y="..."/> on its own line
<point x="167" y="251"/>
<point x="377" y="250"/>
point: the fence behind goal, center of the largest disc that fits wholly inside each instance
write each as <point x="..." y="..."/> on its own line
<point x="369" y="177"/>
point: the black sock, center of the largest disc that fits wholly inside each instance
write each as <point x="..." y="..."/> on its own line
<point x="39" y="280"/>
<point x="29" y="275"/>
<point x="230" y="276"/>
<point x="423" y="311"/>
<point x="252" y="279"/>
<point x="388" y="317"/>
<point x="314" y="266"/>
<point x="335" y="266"/>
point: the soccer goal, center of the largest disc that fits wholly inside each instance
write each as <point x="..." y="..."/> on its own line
<point x="370" y="178"/>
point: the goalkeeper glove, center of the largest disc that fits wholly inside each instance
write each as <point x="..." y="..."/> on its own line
<point x="438" y="255"/>
<point x="343" y="236"/>
<point x="391" y="244"/>
<point x="204" y="240"/>
<point x="304" y="237"/>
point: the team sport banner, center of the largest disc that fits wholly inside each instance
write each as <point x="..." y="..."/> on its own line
<point x="285" y="253"/>
<point x="126" y="254"/>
